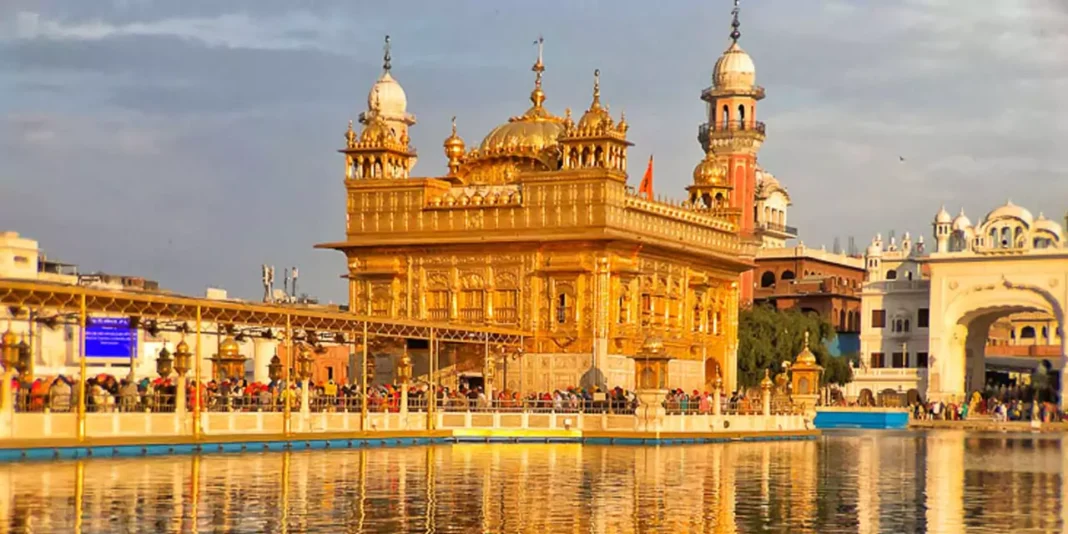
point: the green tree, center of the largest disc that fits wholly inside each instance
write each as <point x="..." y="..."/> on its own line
<point x="767" y="337"/>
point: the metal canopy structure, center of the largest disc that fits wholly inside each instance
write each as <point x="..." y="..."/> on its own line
<point x="64" y="298"/>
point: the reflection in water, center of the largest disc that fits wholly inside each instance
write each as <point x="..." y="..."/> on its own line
<point x="861" y="482"/>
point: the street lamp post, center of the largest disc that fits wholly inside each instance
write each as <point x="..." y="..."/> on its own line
<point x="9" y="355"/>
<point x="304" y="361"/>
<point x="182" y="364"/>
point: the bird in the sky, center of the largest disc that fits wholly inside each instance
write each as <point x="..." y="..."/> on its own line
<point x="902" y="158"/>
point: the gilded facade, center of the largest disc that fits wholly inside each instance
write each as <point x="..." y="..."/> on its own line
<point x="535" y="227"/>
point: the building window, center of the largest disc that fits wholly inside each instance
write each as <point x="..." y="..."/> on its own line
<point x="891" y="275"/>
<point x="878" y="359"/>
<point x="787" y="275"/>
<point x="472" y="306"/>
<point x="624" y="311"/>
<point x="899" y="359"/>
<point x="716" y="322"/>
<point x="923" y="318"/>
<point x="506" y="306"/>
<point x="565" y="309"/>
<point x="767" y="279"/>
<point x="878" y="318"/>
<point x="647" y="308"/>
<point x="437" y="305"/>
<point x="1027" y="332"/>
<point x="900" y="325"/>
<point x="698" y="315"/>
<point x="921" y="359"/>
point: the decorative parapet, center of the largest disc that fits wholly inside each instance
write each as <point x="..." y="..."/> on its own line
<point x="891" y="286"/>
<point x="476" y="197"/>
<point x="667" y="221"/>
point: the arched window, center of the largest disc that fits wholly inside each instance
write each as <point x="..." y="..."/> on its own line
<point x="1045" y="333"/>
<point x="741" y="116"/>
<point x="1027" y="332"/>
<point x="842" y="325"/>
<point x="726" y="117"/>
<point x="1006" y="237"/>
<point x="891" y="275"/>
<point x="767" y="279"/>
<point x="787" y="275"/>
<point x="698" y="314"/>
<point x="564" y="309"/>
<point x="908" y="275"/>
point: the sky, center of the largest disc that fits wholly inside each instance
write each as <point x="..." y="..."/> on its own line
<point x="190" y="142"/>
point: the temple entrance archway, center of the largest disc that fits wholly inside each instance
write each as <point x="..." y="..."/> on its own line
<point x="968" y="306"/>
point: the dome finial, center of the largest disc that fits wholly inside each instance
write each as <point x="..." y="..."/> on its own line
<point x="539" y="66"/>
<point x="537" y="96"/>
<point x="596" y="89"/>
<point x="386" y="65"/>
<point x="735" y="24"/>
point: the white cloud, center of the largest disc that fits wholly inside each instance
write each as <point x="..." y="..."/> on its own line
<point x="299" y="30"/>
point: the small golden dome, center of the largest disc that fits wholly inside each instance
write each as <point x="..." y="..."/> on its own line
<point x="766" y="383"/>
<point x="653" y="346"/>
<point x="623" y="126"/>
<point x="806" y="358"/>
<point x="710" y="172"/>
<point x="454" y="145"/>
<point x="9" y="338"/>
<point x="596" y="117"/>
<point x="182" y="348"/>
<point x="229" y="348"/>
<point x="376" y="131"/>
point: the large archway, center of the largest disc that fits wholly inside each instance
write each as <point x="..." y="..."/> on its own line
<point x="958" y="339"/>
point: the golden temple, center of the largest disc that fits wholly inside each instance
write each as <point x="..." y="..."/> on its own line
<point x="536" y="229"/>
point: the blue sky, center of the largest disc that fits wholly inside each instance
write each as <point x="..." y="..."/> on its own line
<point x="193" y="141"/>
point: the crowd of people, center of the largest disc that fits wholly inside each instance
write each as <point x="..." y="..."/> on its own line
<point x="106" y="393"/>
<point x="994" y="407"/>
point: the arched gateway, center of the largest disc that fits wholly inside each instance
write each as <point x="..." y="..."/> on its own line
<point x="981" y="280"/>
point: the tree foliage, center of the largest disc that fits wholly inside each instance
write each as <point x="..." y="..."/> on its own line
<point x="767" y="337"/>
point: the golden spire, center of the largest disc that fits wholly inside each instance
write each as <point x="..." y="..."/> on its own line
<point x="537" y="96"/>
<point x="350" y="136"/>
<point x="386" y="65"/>
<point x="596" y="89"/>
<point x="454" y="149"/>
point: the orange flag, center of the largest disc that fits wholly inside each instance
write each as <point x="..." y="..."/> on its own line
<point x="646" y="187"/>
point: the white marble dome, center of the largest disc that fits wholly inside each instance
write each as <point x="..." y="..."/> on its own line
<point x="962" y="222"/>
<point x="734" y="69"/>
<point x="391" y="103"/>
<point x="943" y="216"/>
<point x="1042" y="224"/>
<point x="1011" y="211"/>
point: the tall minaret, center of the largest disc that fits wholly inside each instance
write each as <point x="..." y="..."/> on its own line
<point x="732" y="131"/>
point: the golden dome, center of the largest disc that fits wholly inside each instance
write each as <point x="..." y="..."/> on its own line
<point x="229" y="348"/>
<point x="9" y="338"/>
<point x="376" y="131"/>
<point x="182" y="348"/>
<point x="529" y="135"/>
<point x="454" y="145"/>
<point x="653" y="346"/>
<point x="596" y="117"/>
<point x="710" y="172"/>
<point x="806" y="358"/>
<point x="766" y="383"/>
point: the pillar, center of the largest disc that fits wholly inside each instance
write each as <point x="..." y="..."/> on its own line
<point x="717" y="403"/>
<point x="944" y="482"/>
<point x="262" y="352"/>
<point x="1064" y="370"/>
